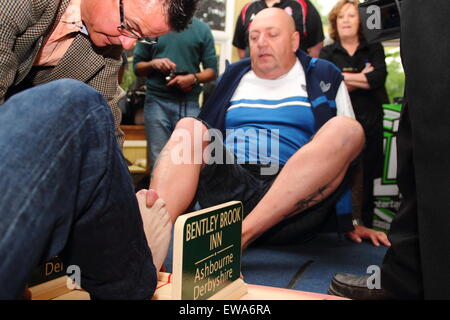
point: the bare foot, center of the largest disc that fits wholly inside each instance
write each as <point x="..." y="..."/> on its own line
<point x="157" y="225"/>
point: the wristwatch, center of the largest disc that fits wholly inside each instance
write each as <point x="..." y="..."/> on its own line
<point x="196" y="80"/>
<point x="357" y="222"/>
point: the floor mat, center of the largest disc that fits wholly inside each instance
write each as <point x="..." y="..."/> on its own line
<point x="306" y="267"/>
<point x="310" y="266"/>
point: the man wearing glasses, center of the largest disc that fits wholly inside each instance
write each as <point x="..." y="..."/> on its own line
<point x="46" y="40"/>
<point x="65" y="187"/>
<point x="172" y="69"/>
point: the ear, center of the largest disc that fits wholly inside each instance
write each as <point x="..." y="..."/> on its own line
<point x="295" y="41"/>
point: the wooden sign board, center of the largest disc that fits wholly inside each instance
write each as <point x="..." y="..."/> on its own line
<point x="50" y="270"/>
<point x="207" y="254"/>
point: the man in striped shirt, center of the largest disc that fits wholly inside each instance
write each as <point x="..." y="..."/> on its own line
<point x="289" y="139"/>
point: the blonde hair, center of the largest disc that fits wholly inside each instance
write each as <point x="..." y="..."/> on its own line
<point x="334" y="13"/>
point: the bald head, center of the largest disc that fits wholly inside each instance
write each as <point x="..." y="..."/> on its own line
<point x="275" y="16"/>
<point x="273" y="42"/>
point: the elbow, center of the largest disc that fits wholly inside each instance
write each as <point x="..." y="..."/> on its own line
<point x="138" y="72"/>
<point x="141" y="73"/>
<point x="211" y="75"/>
<point x="214" y="77"/>
<point x="141" y="69"/>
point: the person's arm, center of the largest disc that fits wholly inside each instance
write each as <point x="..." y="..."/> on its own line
<point x="208" y="60"/>
<point x="241" y="53"/>
<point x="377" y="77"/>
<point x="163" y="65"/>
<point x="357" y="80"/>
<point x="123" y="67"/>
<point x="374" y="74"/>
<point x="144" y="62"/>
<point x="315" y="50"/>
<point x="239" y="40"/>
<point x="326" y="54"/>
<point x="360" y="233"/>
<point x="10" y="13"/>
<point x="106" y="81"/>
<point x="186" y="82"/>
<point x="314" y="30"/>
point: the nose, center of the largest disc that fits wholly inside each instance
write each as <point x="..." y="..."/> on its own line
<point x="127" y="43"/>
<point x="262" y="41"/>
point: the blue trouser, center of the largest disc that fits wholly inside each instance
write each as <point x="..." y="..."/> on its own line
<point x="66" y="190"/>
<point x="161" y="116"/>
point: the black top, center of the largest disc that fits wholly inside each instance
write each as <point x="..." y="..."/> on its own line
<point x="311" y="30"/>
<point x="367" y="104"/>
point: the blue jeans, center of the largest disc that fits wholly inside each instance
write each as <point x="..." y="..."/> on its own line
<point x="66" y="190"/>
<point x="160" y="118"/>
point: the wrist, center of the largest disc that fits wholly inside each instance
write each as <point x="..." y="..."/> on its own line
<point x="196" y="80"/>
<point x="151" y="65"/>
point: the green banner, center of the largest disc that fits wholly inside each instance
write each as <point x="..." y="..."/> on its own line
<point x="387" y="197"/>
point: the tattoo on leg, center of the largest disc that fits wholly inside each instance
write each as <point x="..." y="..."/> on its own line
<point x="312" y="199"/>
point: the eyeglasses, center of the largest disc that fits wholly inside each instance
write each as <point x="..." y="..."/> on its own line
<point x="130" y="33"/>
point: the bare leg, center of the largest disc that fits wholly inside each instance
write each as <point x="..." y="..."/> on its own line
<point x="177" y="182"/>
<point x="310" y="175"/>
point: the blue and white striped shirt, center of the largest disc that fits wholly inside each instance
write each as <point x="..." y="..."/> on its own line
<point x="269" y="120"/>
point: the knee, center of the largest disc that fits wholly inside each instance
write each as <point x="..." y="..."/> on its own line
<point x="192" y="125"/>
<point x="68" y="97"/>
<point x="77" y="100"/>
<point x="193" y="130"/>
<point x="60" y="100"/>
<point x="60" y="109"/>
<point x="71" y="90"/>
<point x="348" y="133"/>
<point x="77" y="95"/>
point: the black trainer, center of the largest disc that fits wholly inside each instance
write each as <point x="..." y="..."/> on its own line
<point x="355" y="287"/>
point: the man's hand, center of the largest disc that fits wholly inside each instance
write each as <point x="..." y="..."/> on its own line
<point x="164" y="65"/>
<point x="184" y="82"/>
<point x="362" y="233"/>
<point x="157" y="225"/>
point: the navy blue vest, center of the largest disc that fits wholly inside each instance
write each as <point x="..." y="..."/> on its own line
<point x="323" y="80"/>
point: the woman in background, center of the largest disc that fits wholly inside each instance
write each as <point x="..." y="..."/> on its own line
<point x="364" y="69"/>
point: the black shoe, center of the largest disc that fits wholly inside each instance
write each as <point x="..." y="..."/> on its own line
<point x="355" y="287"/>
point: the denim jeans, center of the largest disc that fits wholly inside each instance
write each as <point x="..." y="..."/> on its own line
<point x="66" y="190"/>
<point x="161" y="116"/>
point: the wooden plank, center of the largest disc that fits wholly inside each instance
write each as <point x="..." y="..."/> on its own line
<point x="74" y="295"/>
<point x="257" y="292"/>
<point x="50" y="289"/>
<point x="134" y="132"/>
